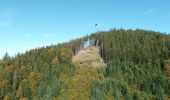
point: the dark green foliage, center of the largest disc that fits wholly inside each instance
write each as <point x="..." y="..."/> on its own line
<point x="27" y="91"/>
<point x="6" y="57"/>
<point x="150" y="80"/>
<point x="101" y="87"/>
<point x="136" y="96"/>
<point x="139" y="46"/>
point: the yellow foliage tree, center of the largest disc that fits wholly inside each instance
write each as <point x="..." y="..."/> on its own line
<point x="55" y="61"/>
<point x="34" y="80"/>
<point x="8" y="97"/>
<point x="65" y="54"/>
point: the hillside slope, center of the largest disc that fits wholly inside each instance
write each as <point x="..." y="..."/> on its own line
<point x="137" y="68"/>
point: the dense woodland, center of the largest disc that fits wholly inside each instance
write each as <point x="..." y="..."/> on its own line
<point x="136" y="69"/>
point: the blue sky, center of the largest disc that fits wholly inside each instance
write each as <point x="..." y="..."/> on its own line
<point x="26" y="24"/>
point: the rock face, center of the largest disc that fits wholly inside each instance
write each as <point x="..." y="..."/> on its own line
<point x="89" y="57"/>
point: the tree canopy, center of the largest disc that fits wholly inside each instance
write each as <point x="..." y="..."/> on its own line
<point x="137" y="69"/>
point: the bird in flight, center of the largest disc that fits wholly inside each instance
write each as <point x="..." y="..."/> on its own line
<point x="96" y="25"/>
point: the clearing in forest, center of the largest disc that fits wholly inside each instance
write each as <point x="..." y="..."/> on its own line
<point x="89" y="57"/>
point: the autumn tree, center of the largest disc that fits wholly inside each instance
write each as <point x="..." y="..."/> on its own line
<point x="65" y="55"/>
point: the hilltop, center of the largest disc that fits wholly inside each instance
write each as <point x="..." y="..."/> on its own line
<point x="135" y="67"/>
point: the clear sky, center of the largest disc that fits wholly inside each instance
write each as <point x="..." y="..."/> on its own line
<point x="26" y="24"/>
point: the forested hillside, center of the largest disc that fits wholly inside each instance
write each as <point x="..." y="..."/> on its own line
<point x="137" y="69"/>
